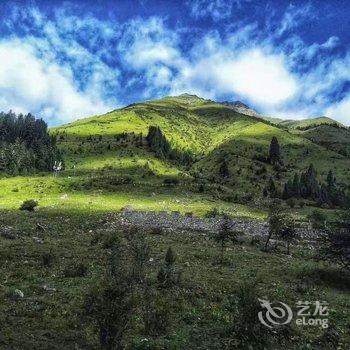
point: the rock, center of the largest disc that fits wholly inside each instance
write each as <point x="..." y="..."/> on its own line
<point x="187" y="264"/>
<point x="38" y="240"/>
<point x="40" y="227"/>
<point x="17" y="294"/>
<point x="48" y="289"/>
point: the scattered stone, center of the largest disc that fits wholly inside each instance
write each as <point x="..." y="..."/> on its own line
<point x="40" y="227"/>
<point x="48" y="289"/>
<point x="17" y="294"/>
<point x="38" y="240"/>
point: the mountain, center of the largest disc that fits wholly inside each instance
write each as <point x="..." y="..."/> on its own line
<point x="240" y="107"/>
<point x="323" y="131"/>
<point x="209" y="132"/>
<point x="310" y="123"/>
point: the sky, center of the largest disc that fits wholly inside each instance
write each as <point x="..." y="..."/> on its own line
<point x="62" y="60"/>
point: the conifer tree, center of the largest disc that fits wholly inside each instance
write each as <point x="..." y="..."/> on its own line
<point x="272" y="188"/>
<point x="274" y="153"/>
<point x="224" y="171"/>
<point x="296" y="186"/>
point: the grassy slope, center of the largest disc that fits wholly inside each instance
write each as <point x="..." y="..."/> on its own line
<point x="202" y="126"/>
<point x="308" y="123"/>
<point x="336" y="139"/>
<point x="201" y="311"/>
<point x="320" y="131"/>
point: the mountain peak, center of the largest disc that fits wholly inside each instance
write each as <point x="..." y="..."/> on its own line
<point x="240" y="107"/>
<point x="189" y="95"/>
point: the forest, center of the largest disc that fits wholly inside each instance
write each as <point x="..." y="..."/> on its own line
<point x="26" y="145"/>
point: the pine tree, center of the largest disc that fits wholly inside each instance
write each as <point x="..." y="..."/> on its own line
<point x="272" y="188"/>
<point x="330" y="179"/>
<point x="274" y="153"/>
<point x="312" y="185"/>
<point x="296" y="186"/>
<point x="224" y="171"/>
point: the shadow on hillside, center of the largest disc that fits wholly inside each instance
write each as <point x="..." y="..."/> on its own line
<point x="221" y="113"/>
<point x="329" y="277"/>
<point x="114" y="179"/>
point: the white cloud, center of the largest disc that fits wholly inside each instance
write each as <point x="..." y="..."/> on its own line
<point x="293" y="17"/>
<point x="147" y="43"/>
<point x="29" y="83"/>
<point x="340" y="111"/>
<point x="253" y="75"/>
<point x="259" y="77"/>
<point x="215" y="9"/>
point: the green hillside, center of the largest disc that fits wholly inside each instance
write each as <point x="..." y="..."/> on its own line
<point x="310" y="123"/>
<point x="109" y="164"/>
<point x="210" y="131"/>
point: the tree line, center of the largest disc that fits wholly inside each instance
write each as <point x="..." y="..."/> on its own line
<point x="25" y="144"/>
<point x="162" y="148"/>
<point x="307" y="186"/>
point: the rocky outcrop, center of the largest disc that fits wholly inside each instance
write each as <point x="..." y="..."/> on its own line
<point x="240" y="107"/>
<point x="176" y="222"/>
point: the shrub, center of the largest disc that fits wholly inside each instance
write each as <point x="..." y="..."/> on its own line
<point x="248" y="330"/>
<point x="156" y="231"/>
<point x="171" y="181"/>
<point x="335" y="243"/>
<point x="156" y="315"/>
<point x="79" y="270"/>
<point x="291" y="202"/>
<point x="48" y="258"/>
<point x="168" y="276"/>
<point x="318" y="219"/>
<point x="224" y="235"/>
<point x="213" y="213"/>
<point x="281" y="225"/>
<point x="29" y="205"/>
<point x="109" y="308"/>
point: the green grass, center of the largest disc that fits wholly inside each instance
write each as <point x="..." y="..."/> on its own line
<point x="57" y="194"/>
<point x="200" y="306"/>
<point x="77" y="207"/>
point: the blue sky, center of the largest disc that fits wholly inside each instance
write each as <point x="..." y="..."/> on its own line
<point x="64" y="60"/>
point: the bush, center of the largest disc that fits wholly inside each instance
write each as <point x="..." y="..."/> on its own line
<point x="291" y="202"/>
<point x="335" y="243"/>
<point x="72" y="271"/>
<point x="48" y="258"/>
<point x="156" y="231"/>
<point x="213" y="213"/>
<point x="168" y="276"/>
<point x="318" y="219"/>
<point x="171" y="181"/>
<point x="256" y="240"/>
<point x="110" y="306"/>
<point x="157" y="314"/>
<point x="29" y="205"/>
